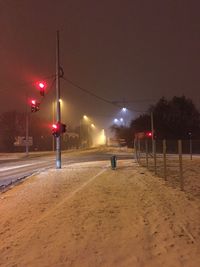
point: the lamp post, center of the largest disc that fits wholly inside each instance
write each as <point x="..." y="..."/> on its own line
<point x="27" y="128"/>
<point x="85" y="131"/>
<point x="124" y="111"/>
<point x="122" y="121"/>
<point x="53" y="120"/>
<point x="116" y="121"/>
<point x="58" y="113"/>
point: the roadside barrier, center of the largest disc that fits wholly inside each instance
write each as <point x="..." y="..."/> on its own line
<point x="176" y="161"/>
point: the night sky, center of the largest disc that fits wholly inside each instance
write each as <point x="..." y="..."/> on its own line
<point x="135" y="51"/>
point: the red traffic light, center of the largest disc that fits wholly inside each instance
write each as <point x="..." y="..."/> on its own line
<point x="149" y="134"/>
<point x="41" y="86"/>
<point x="55" y="130"/>
<point x="54" y="126"/>
<point x="58" y="128"/>
<point x="35" y="106"/>
<point x="33" y="102"/>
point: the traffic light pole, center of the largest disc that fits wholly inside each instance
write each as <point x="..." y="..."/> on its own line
<point x="27" y="128"/>
<point x="27" y="132"/>
<point x="58" y="113"/>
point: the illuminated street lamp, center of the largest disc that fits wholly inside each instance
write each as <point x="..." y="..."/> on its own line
<point x="124" y="112"/>
<point x="85" y="117"/>
<point x="84" y="131"/>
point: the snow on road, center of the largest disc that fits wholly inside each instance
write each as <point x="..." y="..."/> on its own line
<point x="89" y="215"/>
<point x="2" y="169"/>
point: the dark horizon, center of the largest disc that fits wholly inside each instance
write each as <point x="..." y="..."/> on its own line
<point x="133" y="52"/>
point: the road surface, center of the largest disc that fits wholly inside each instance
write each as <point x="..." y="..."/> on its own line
<point x="16" y="167"/>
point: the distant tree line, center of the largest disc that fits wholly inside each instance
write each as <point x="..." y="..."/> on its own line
<point x="177" y="118"/>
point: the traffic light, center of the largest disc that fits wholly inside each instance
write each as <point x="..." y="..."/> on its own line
<point x="148" y="134"/>
<point x="41" y="86"/>
<point x="55" y="130"/>
<point x="58" y="128"/>
<point x="62" y="128"/>
<point x="35" y="106"/>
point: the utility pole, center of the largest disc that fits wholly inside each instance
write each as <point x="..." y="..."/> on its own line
<point x="27" y="128"/>
<point x="27" y="132"/>
<point x="53" y="120"/>
<point x="58" y="113"/>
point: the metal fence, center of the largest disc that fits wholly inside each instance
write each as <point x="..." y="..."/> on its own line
<point x="176" y="161"/>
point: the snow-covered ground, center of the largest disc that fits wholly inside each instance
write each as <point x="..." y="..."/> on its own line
<point x="89" y="215"/>
<point x="191" y="171"/>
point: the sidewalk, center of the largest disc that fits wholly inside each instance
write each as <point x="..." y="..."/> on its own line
<point x="89" y="215"/>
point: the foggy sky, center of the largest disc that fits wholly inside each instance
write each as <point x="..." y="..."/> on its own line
<point x="137" y="51"/>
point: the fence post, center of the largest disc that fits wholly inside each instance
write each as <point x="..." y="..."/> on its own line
<point x="146" y="149"/>
<point x="134" y="146"/>
<point x="190" y="147"/>
<point x="154" y="156"/>
<point x="180" y="164"/>
<point x="164" y="159"/>
<point x="136" y="149"/>
<point x="139" y="150"/>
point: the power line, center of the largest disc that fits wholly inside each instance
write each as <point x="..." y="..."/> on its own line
<point x="89" y="92"/>
<point x="113" y="103"/>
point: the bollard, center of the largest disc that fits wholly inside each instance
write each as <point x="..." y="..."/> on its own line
<point x="113" y="160"/>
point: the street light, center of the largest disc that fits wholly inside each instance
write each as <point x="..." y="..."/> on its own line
<point x="84" y="130"/>
<point x="88" y="126"/>
<point x="124" y="112"/>
<point x="85" y="118"/>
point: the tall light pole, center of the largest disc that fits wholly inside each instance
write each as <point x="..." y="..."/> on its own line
<point x="87" y="120"/>
<point x="58" y="113"/>
<point x="53" y="120"/>
<point x="124" y="111"/>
